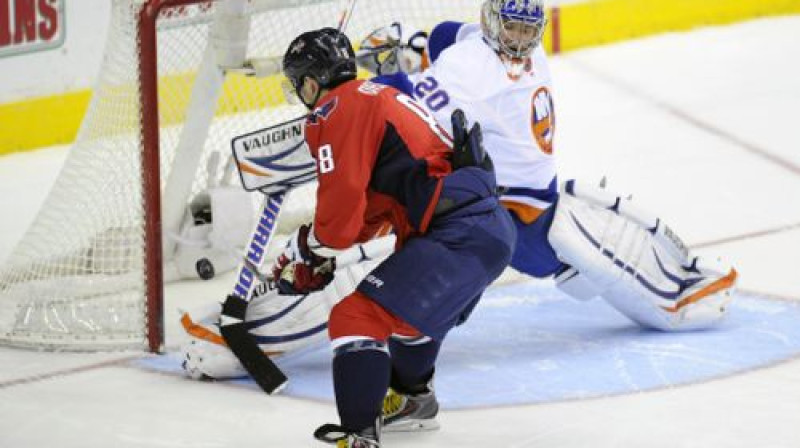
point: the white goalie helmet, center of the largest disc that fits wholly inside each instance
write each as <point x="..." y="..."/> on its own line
<point x="513" y="27"/>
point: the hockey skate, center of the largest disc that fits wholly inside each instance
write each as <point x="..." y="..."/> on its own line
<point x="335" y="434"/>
<point x="410" y="412"/>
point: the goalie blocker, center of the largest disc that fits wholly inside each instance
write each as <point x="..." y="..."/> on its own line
<point x="636" y="263"/>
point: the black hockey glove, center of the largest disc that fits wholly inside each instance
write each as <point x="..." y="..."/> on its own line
<point x="468" y="147"/>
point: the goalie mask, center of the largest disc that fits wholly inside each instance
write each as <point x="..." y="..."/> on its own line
<point x="513" y="28"/>
<point x="324" y="55"/>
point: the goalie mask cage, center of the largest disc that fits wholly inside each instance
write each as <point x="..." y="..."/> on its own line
<point x="89" y="272"/>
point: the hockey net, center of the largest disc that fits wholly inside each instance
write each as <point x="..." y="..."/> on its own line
<point x="88" y="274"/>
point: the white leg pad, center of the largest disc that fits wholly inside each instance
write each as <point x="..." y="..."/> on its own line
<point x="288" y="324"/>
<point x="207" y="360"/>
<point x="576" y="285"/>
<point x="636" y="269"/>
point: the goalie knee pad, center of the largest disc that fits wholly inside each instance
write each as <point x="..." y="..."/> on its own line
<point x="636" y="263"/>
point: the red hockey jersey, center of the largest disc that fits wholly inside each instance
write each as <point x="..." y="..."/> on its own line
<point x="380" y="159"/>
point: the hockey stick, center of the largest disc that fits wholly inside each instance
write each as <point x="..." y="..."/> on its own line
<point x="232" y="319"/>
<point x="369" y="250"/>
<point x="347" y="13"/>
<point x="272" y="166"/>
<point x="261" y="67"/>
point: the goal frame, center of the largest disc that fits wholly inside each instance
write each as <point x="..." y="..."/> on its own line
<point x="151" y="171"/>
<point x="211" y="75"/>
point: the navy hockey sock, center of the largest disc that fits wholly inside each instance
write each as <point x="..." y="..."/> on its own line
<point x="360" y="380"/>
<point x="412" y="365"/>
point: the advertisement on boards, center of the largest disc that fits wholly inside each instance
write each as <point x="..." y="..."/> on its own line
<point x="28" y="26"/>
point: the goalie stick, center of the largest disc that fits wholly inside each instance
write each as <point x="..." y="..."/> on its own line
<point x="232" y="320"/>
<point x="272" y="166"/>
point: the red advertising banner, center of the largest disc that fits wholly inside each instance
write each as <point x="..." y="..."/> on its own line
<point x="31" y="25"/>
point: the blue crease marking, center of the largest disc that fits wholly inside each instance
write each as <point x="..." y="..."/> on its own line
<point x="528" y="343"/>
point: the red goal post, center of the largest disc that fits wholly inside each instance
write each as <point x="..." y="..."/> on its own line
<point x="151" y="179"/>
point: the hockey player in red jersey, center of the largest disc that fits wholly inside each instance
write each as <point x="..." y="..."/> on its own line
<point x="381" y="158"/>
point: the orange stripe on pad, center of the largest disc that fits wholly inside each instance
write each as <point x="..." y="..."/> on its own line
<point x="203" y="333"/>
<point x="723" y="283"/>
<point x="249" y="169"/>
<point x="526" y="213"/>
<point x="200" y="332"/>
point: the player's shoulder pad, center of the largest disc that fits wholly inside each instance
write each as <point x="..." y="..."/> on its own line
<point x="442" y="36"/>
<point x="399" y="81"/>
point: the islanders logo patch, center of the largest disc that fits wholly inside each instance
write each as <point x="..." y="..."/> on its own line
<point x="543" y="119"/>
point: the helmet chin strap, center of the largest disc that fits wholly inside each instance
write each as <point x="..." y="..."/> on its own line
<point x="309" y="105"/>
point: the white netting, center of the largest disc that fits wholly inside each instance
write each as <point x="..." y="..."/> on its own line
<point x="77" y="279"/>
<point x="87" y="239"/>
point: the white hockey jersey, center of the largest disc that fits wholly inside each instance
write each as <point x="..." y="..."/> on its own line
<point x="516" y="116"/>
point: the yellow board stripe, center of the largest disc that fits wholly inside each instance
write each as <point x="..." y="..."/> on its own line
<point x="607" y="21"/>
<point x="55" y="119"/>
<point x="42" y="121"/>
<point x="258" y="92"/>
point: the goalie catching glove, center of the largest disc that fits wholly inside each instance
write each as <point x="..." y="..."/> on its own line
<point x="394" y="48"/>
<point x="298" y="270"/>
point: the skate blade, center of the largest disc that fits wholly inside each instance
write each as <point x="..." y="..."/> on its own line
<point x="412" y="426"/>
